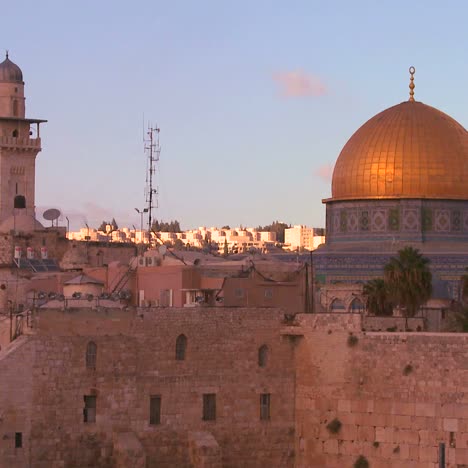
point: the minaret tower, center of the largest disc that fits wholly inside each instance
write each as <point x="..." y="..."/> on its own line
<point x="20" y="143"/>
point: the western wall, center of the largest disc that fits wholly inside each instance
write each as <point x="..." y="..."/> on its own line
<point x="396" y="396"/>
<point x="47" y="380"/>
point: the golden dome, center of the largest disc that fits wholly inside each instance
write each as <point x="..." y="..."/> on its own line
<point x="410" y="150"/>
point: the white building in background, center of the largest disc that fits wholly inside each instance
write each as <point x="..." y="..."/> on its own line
<point x="303" y="237"/>
<point x="237" y="239"/>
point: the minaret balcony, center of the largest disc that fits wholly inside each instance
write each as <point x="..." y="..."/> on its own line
<point x="12" y="142"/>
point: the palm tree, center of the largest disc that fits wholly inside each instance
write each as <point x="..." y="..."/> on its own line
<point x="409" y="280"/>
<point x="377" y="297"/>
<point x="464" y="288"/>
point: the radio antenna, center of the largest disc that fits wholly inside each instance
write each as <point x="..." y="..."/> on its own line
<point x="152" y="150"/>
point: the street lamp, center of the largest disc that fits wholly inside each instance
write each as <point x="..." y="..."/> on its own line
<point x="141" y="212"/>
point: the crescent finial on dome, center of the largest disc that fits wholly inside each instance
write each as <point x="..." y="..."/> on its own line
<point x="412" y="71"/>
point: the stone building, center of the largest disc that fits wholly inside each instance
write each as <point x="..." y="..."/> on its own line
<point x="19" y="145"/>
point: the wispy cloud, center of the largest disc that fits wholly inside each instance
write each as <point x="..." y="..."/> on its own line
<point x="325" y="172"/>
<point x="299" y="84"/>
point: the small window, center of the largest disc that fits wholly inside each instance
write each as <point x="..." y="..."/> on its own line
<point x="356" y="306"/>
<point x="19" y="201"/>
<point x="15" y="134"/>
<point x="337" y="305"/>
<point x="91" y="355"/>
<point x="264" y="406"/>
<point x="263" y="355"/>
<point x="89" y="412"/>
<point x="155" y="409"/>
<point x="181" y="347"/>
<point x="239" y="293"/>
<point x="209" y="407"/>
<point x="268" y="293"/>
<point x="18" y="439"/>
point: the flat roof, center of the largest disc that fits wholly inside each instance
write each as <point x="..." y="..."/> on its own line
<point x="20" y="119"/>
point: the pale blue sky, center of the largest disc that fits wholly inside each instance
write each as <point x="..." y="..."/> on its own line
<point x="235" y="149"/>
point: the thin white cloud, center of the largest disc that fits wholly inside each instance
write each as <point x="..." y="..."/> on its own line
<point x="299" y="84"/>
<point x="325" y="172"/>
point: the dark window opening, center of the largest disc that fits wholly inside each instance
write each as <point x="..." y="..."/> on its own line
<point x="89" y="411"/>
<point x="209" y="407"/>
<point x="155" y="409"/>
<point x="181" y="347"/>
<point x="452" y="441"/>
<point x="263" y="356"/>
<point x="18" y="439"/>
<point x="15" y="134"/>
<point x="19" y="201"/>
<point x="265" y="406"/>
<point x="91" y="355"/>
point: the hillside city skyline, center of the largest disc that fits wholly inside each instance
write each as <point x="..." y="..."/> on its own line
<point x="253" y="103"/>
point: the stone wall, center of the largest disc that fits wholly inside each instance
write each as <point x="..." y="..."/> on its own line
<point x="397" y="395"/>
<point x="391" y="324"/>
<point x="136" y="359"/>
<point x="16" y="402"/>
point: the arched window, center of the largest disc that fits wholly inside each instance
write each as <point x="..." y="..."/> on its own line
<point x="14" y="134"/>
<point x="337" y="305"/>
<point x="91" y="355"/>
<point x="180" y="347"/>
<point x="356" y="306"/>
<point x="19" y="201"/>
<point x="15" y="108"/>
<point x="263" y="356"/>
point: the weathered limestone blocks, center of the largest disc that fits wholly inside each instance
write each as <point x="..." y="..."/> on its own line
<point x="128" y="451"/>
<point x="204" y="451"/>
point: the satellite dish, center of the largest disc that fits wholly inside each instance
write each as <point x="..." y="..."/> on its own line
<point x="51" y="214"/>
<point x="162" y="249"/>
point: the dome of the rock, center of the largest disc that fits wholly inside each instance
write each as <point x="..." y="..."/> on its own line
<point x="410" y="150"/>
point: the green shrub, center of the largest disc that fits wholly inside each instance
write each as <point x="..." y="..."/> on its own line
<point x="408" y="369"/>
<point x="334" y="426"/>
<point x="361" y="462"/>
<point x="352" y="340"/>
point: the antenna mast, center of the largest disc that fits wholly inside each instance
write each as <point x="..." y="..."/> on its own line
<point x="153" y="150"/>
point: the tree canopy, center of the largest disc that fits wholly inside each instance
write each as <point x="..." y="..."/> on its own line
<point x="113" y="224"/>
<point x="277" y="227"/>
<point x="409" y="280"/>
<point x="377" y="296"/>
<point x="161" y="226"/>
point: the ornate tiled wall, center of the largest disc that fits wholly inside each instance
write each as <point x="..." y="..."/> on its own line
<point x="378" y="220"/>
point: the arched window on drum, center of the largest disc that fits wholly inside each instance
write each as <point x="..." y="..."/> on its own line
<point x="356" y="306"/>
<point x="337" y="305"/>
